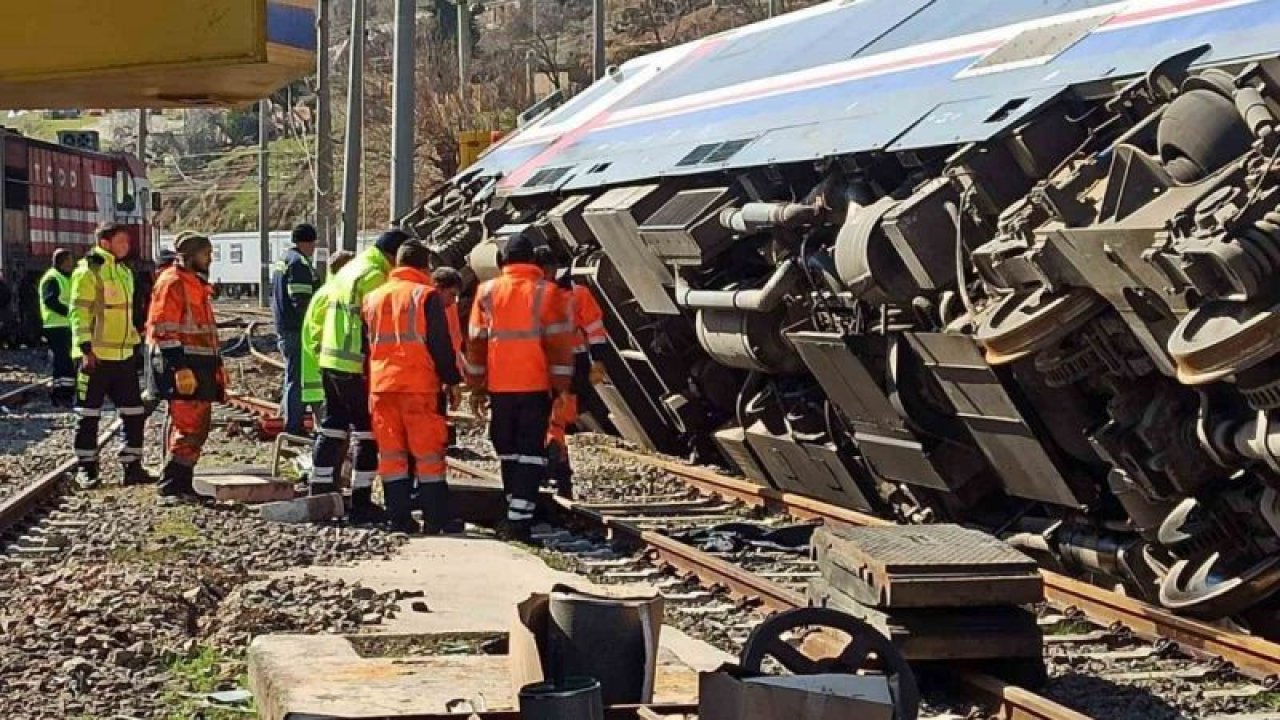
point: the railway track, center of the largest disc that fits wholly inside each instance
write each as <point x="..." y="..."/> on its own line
<point x="1120" y="639"/>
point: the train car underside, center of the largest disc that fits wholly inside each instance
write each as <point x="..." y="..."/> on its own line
<point x="1066" y="334"/>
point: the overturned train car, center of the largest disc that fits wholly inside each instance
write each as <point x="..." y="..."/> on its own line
<point x="1008" y="263"/>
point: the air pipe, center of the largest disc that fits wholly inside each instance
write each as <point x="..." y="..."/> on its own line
<point x="764" y="299"/>
<point x="758" y="216"/>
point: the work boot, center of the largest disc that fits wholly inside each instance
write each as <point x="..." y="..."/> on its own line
<point x="515" y="531"/>
<point x="176" y="481"/>
<point x="399" y="513"/>
<point x="433" y="499"/>
<point x="363" y="510"/>
<point x="87" y="477"/>
<point x="135" y="474"/>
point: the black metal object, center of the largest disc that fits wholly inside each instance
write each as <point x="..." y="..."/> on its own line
<point x="574" y="698"/>
<point x="867" y="651"/>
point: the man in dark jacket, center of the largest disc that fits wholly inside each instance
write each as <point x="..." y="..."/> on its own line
<point x="292" y="284"/>
<point x="55" y="312"/>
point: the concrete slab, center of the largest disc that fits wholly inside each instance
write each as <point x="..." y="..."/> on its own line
<point x="313" y="508"/>
<point x="473" y="583"/>
<point x="335" y="681"/>
<point x="243" y="488"/>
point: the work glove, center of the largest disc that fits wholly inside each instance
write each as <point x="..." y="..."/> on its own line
<point x="596" y="374"/>
<point x="88" y="362"/>
<point x="559" y="405"/>
<point x="184" y="381"/>
<point x="455" y="397"/>
<point x="479" y="402"/>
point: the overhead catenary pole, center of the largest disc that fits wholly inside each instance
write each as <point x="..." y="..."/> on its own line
<point x="142" y="137"/>
<point x="264" y="200"/>
<point x="402" y="111"/>
<point x="355" y="129"/>
<point x="324" y="131"/>
<point x="597" y="39"/>
<point x="464" y="49"/>
<point x="773" y="7"/>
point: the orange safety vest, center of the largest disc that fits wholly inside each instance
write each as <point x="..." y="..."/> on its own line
<point x="396" y="317"/>
<point x="588" y="319"/>
<point x="520" y="337"/>
<point x="181" y="317"/>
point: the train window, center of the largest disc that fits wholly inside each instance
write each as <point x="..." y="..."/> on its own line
<point x="125" y="200"/>
<point x="237" y="253"/>
<point x="217" y="253"/>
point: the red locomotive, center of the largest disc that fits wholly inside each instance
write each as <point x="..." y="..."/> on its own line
<point x="54" y="195"/>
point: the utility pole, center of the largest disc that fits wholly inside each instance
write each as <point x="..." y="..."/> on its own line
<point x="597" y="39"/>
<point x="773" y="7"/>
<point x="324" y="131"/>
<point x="464" y="49"/>
<point x="142" y="138"/>
<point x="264" y="203"/>
<point x="355" y="129"/>
<point x="402" y="125"/>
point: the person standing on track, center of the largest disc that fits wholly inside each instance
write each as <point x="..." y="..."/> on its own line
<point x="293" y="283"/>
<point x="181" y="328"/>
<point x="519" y="351"/>
<point x="105" y="343"/>
<point x="342" y="359"/>
<point x="411" y="356"/>
<point x="312" y="328"/>
<point x="448" y="283"/>
<point x="55" y="311"/>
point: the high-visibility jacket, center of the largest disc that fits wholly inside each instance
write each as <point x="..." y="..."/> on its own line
<point x="588" y="322"/>
<point x="312" y="328"/>
<point x="102" y="308"/>
<point x="409" y="346"/>
<point x="293" y="282"/>
<point x="180" y="324"/>
<point x="520" y="338"/>
<point x="341" y="343"/>
<point x="55" y="299"/>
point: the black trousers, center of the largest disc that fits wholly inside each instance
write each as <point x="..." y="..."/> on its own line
<point x="518" y="430"/>
<point x="346" y="416"/>
<point x="117" y="381"/>
<point x="64" y="369"/>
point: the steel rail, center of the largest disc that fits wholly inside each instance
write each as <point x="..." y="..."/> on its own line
<point x="19" y="394"/>
<point x="20" y="504"/>
<point x="262" y="358"/>
<point x="1252" y="656"/>
<point x="1009" y="701"/>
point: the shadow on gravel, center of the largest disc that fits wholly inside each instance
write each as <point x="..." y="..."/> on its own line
<point x="1101" y="698"/>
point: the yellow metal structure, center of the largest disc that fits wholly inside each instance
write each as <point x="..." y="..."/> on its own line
<point x="151" y="53"/>
<point x="471" y="143"/>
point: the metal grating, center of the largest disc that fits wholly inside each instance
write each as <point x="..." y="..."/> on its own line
<point x="697" y="155"/>
<point x="713" y="152"/>
<point x="685" y="208"/>
<point x="1036" y="46"/>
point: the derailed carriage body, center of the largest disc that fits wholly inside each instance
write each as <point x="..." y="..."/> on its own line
<point x="999" y="262"/>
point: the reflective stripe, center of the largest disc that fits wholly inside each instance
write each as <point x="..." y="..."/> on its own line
<point x="593" y="327"/>
<point x="338" y="354"/>
<point x="562" y="370"/>
<point x="362" y="479"/>
<point x="509" y="458"/>
<point x="531" y="460"/>
<point x="473" y="369"/>
<point x="515" y="334"/>
<point x="300" y="288"/>
<point x="335" y="434"/>
<point x="361" y="435"/>
<point x="86" y="454"/>
<point x="557" y="328"/>
<point x="430" y="479"/>
<point x="169" y="344"/>
<point x="321" y="475"/>
<point x="478" y="333"/>
<point x="599" y="341"/>
<point x="89" y="412"/>
<point x="131" y="411"/>
<point x="516" y="516"/>
<point x="393" y="455"/>
<point x="518" y="504"/>
<point x="199" y="350"/>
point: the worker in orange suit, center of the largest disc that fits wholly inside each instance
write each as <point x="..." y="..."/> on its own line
<point x="411" y="357"/>
<point x="184" y="337"/>
<point x="519" y="360"/>
<point x="448" y="283"/>
<point x="589" y="341"/>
